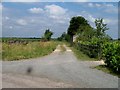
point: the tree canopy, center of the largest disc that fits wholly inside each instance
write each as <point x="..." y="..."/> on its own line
<point x="75" y="23"/>
<point x="48" y="34"/>
<point x="100" y="27"/>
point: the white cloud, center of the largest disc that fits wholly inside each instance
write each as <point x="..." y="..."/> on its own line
<point x="93" y="0"/>
<point x="106" y="20"/>
<point x="94" y="5"/>
<point x="110" y="21"/>
<point x="91" y="18"/>
<point x="45" y="0"/>
<point x="56" y="12"/>
<point x="88" y="16"/>
<point x="35" y="10"/>
<point x="1" y="6"/>
<point x="10" y="27"/>
<point x="21" y="0"/>
<point x="60" y="1"/>
<point x="90" y="5"/>
<point x="21" y="22"/>
<point x="7" y="18"/>
<point x="98" y="5"/>
<point x="110" y="8"/>
<point x="79" y="0"/>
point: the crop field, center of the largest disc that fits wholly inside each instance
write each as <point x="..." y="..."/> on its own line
<point x="16" y="49"/>
<point x="17" y="40"/>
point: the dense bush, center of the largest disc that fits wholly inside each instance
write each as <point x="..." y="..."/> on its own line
<point x="111" y="54"/>
<point x="88" y="49"/>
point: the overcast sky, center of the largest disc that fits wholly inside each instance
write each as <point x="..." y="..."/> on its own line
<point x="27" y="19"/>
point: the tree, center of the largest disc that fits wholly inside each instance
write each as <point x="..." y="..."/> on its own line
<point x="47" y="35"/>
<point x="100" y="32"/>
<point x="100" y="28"/>
<point x="64" y="36"/>
<point x="75" y="24"/>
<point x="85" y="33"/>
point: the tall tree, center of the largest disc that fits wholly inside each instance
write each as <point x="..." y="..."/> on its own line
<point x="100" y="27"/>
<point x="100" y="30"/>
<point x="75" y="24"/>
<point x="48" y="34"/>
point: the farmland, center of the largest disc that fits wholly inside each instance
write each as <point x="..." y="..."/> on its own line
<point x="24" y="48"/>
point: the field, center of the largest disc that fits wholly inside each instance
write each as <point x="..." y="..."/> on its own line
<point x="16" y="49"/>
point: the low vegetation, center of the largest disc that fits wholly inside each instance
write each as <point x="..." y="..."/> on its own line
<point x="81" y="56"/>
<point x="111" y="55"/>
<point x="31" y="50"/>
<point x="105" y="69"/>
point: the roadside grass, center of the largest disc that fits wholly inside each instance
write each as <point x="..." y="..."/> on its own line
<point x="31" y="50"/>
<point x="81" y="56"/>
<point x="105" y="69"/>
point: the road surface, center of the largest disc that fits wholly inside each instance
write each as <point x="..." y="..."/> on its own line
<point x="59" y="69"/>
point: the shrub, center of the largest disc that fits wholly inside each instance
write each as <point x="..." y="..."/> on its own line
<point x="111" y="53"/>
<point x="88" y="49"/>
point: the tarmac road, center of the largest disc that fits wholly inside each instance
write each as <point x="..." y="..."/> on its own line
<point x="59" y="69"/>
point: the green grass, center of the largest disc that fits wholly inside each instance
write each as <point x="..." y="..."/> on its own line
<point x="81" y="56"/>
<point x="31" y="50"/>
<point x="105" y="69"/>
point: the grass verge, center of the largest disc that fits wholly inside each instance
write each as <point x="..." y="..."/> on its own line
<point x="31" y="50"/>
<point x="105" y="69"/>
<point x="81" y="56"/>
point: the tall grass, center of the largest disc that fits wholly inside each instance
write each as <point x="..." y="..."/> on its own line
<point x="31" y="50"/>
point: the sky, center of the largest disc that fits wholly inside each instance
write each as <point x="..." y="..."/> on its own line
<point x="31" y="19"/>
